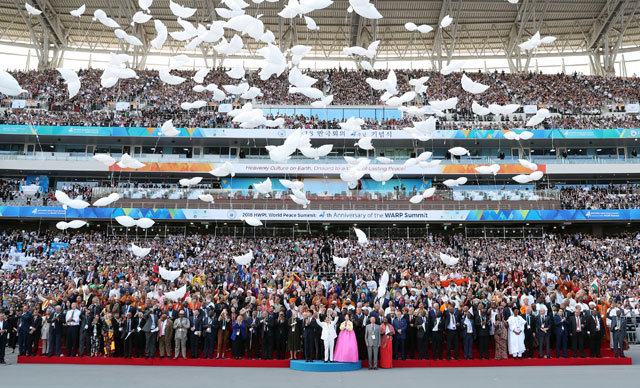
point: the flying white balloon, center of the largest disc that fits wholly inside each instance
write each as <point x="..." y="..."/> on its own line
<point x="72" y="80"/>
<point x="362" y="237"/>
<point x="126" y="221"/>
<point x="78" y="12"/>
<point x="244" y="259"/>
<point x="252" y="221"/>
<point x="471" y="86"/>
<point x="364" y="9"/>
<point x="181" y="11"/>
<point x="169" y="275"/>
<point x="446" y="21"/>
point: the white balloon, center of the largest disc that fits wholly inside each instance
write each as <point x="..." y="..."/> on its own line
<point x="471" y="86"/>
<point x="105" y="159"/>
<point x="169" y="275"/>
<point x="244" y="259"/>
<point x="446" y="21"/>
<point x="9" y="85"/>
<point x="340" y="261"/>
<point x="144" y="223"/>
<point x="206" y="198"/>
<point x="181" y="11"/>
<point x="76" y="224"/>
<point x="77" y="204"/>
<point x="364" y="9"/>
<point x="264" y="187"/>
<point x="32" y="10"/>
<point x="78" y="12"/>
<point x="126" y="221"/>
<point x="362" y="237"/>
<point x="252" y="221"/>
<point x="72" y="80"/>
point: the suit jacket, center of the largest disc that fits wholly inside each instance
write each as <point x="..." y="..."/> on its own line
<point x="196" y="323"/>
<point x="543" y="322"/>
<point x="150" y="322"/>
<point x="238" y="331"/>
<point x="531" y="327"/>
<point x="447" y="319"/>
<point x="560" y="327"/>
<point x="467" y="326"/>
<point x="622" y="321"/>
<point x="423" y="330"/>
<point x="328" y="329"/>
<point x="127" y="326"/>
<point x="56" y="322"/>
<point x="24" y="322"/>
<point x="128" y="308"/>
<point x="309" y="329"/>
<point x="372" y="335"/>
<point x="591" y="326"/>
<point x="36" y="323"/>
<point x="180" y="327"/>
<point x="400" y="326"/>
<point x="481" y="320"/>
<point x="168" y="328"/>
<point x="573" y="325"/>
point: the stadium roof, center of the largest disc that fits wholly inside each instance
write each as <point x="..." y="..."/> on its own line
<point x="480" y="28"/>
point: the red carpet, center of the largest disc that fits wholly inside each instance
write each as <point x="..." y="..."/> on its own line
<point x="508" y="362"/>
<point x="244" y="363"/>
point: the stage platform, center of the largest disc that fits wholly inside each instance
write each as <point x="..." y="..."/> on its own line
<point x="246" y="363"/>
<point x="321" y="366"/>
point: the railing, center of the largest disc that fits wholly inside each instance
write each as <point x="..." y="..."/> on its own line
<point x="177" y="193"/>
<point x="150" y="158"/>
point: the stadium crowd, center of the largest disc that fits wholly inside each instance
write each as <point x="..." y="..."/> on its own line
<point x="580" y="100"/>
<point x="610" y="196"/>
<point x="523" y="296"/>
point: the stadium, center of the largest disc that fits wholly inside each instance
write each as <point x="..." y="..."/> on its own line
<point x="383" y="190"/>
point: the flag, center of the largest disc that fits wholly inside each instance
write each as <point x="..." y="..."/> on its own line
<point x="595" y="284"/>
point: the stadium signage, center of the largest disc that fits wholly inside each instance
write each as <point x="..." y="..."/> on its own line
<point x="89" y="214"/>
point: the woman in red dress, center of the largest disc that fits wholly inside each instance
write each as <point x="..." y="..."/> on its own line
<point x="386" y="344"/>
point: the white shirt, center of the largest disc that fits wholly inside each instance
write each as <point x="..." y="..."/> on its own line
<point x="73" y="315"/>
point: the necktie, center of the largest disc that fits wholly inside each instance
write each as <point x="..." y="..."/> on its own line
<point x="578" y="319"/>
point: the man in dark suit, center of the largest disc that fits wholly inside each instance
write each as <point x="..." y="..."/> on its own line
<point x="543" y="331"/>
<point x="267" y="331"/>
<point x="24" y="323"/>
<point x="56" y="320"/>
<point x="128" y="308"/>
<point x="618" y="330"/>
<point x="399" y="340"/>
<point x="437" y="335"/>
<point x="561" y="332"/>
<point x="595" y="331"/>
<point x="577" y="328"/>
<point x="280" y="336"/>
<point x="309" y="328"/>
<point x="412" y="333"/>
<point x="468" y="334"/>
<point x="452" y="326"/>
<point x="127" y="329"/>
<point x="483" y="329"/>
<point x="150" y="329"/>
<point x="138" y="335"/>
<point x="529" y="330"/>
<point x="360" y="320"/>
<point x="195" y="331"/>
<point x="423" y="333"/>
<point x="253" y="335"/>
<point x="33" y="338"/>
<point x="210" y="333"/>
<point x="4" y="332"/>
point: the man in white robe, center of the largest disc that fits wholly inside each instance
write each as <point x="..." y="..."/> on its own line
<point x="516" y="334"/>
